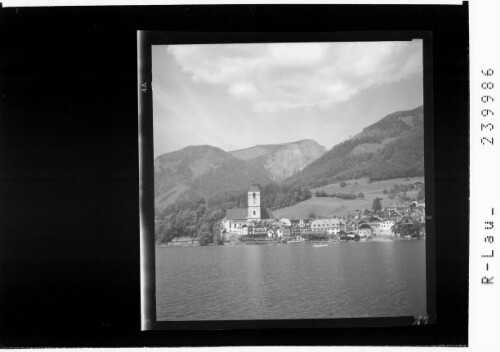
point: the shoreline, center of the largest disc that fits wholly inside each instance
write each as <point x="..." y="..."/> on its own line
<point x="375" y="239"/>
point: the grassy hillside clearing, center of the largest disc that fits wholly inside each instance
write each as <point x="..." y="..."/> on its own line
<point x="324" y="207"/>
<point x="330" y="206"/>
<point x="375" y="188"/>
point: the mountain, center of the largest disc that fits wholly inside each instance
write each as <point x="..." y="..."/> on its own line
<point x="390" y="148"/>
<point x="204" y="171"/>
<point x="200" y="171"/>
<point x="183" y="166"/>
<point x="281" y="160"/>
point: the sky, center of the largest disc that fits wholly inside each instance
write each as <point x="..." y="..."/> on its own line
<point x="235" y="96"/>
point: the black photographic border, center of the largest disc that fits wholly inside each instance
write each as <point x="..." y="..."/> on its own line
<point x="69" y="219"/>
<point x="146" y="39"/>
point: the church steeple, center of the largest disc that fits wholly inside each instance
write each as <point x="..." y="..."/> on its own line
<point x="253" y="203"/>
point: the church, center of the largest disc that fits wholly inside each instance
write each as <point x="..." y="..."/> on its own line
<point x="238" y="220"/>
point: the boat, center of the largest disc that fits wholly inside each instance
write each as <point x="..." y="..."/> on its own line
<point x="320" y="245"/>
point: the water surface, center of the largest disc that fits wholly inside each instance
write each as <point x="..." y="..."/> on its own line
<point x="291" y="281"/>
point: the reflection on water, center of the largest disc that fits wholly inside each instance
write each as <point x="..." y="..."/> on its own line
<point x="294" y="281"/>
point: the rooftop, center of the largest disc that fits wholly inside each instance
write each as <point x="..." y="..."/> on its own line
<point x="253" y="188"/>
<point x="236" y="214"/>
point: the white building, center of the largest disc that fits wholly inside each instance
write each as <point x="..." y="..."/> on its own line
<point x="330" y="226"/>
<point x="385" y="227"/>
<point x="286" y="222"/>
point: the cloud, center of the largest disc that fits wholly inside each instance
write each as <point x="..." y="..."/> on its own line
<point x="283" y="76"/>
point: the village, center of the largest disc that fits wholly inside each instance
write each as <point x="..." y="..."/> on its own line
<point x="400" y="220"/>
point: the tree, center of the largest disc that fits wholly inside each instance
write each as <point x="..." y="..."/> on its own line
<point x="343" y="183"/>
<point x="404" y="197"/>
<point x="217" y="231"/>
<point x="412" y="231"/>
<point x="361" y="195"/>
<point x="421" y="194"/>
<point x="321" y="194"/>
<point x="204" y="234"/>
<point x="312" y="215"/>
<point x="377" y="204"/>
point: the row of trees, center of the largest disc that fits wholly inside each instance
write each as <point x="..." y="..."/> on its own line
<point x="360" y="195"/>
<point x="194" y="219"/>
<point x="273" y="196"/>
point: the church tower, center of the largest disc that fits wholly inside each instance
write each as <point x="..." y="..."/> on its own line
<point x="254" y="203"/>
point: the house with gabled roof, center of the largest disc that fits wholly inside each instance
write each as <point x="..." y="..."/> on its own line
<point x="417" y="215"/>
<point x="365" y="230"/>
<point x="351" y="225"/>
<point x="401" y="207"/>
<point x="366" y="212"/>
<point x="407" y="225"/>
<point x="374" y="222"/>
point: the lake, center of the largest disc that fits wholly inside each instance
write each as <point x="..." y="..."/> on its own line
<point x="291" y="281"/>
